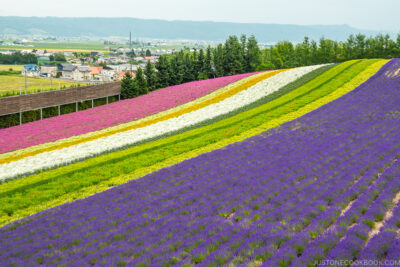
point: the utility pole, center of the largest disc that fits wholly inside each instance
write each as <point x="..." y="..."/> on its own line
<point x="130" y="46"/>
<point x="25" y="82"/>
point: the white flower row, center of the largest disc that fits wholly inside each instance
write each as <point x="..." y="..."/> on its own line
<point x="81" y="151"/>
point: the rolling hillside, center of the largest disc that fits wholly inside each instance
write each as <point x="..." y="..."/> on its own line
<point x="291" y="167"/>
<point x="162" y="29"/>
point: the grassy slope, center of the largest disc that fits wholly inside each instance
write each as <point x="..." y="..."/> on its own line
<point x="29" y="195"/>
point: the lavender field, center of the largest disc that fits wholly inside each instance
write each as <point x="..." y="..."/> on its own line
<point x="322" y="188"/>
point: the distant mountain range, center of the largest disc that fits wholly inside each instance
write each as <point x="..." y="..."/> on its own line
<point x="162" y="29"/>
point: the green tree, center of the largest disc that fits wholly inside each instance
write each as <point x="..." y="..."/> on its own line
<point x="59" y="57"/>
<point x="253" y="55"/>
<point x="188" y="68"/>
<point x="163" y="67"/>
<point x="148" y="53"/>
<point x="176" y="70"/>
<point x="243" y="45"/>
<point x="360" y="46"/>
<point x="128" y="86"/>
<point x="208" y="69"/>
<point x="398" y="45"/>
<point x="151" y="77"/>
<point x="200" y="66"/>
<point x="141" y="82"/>
<point x="219" y="60"/>
<point x="233" y="56"/>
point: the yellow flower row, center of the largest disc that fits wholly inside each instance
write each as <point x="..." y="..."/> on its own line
<point x="212" y="98"/>
<point x="102" y="186"/>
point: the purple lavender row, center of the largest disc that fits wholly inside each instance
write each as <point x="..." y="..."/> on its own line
<point x="380" y="245"/>
<point x="354" y="240"/>
<point x="235" y="205"/>
<point x="316" y="205"/>
<point x="318" y="248"/>
<point x="297" y="243"/>
<point x="393" y="256"/>
<point x="285" y="251"/>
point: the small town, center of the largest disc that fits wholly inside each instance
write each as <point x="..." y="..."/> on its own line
<point x="89" y="66"/>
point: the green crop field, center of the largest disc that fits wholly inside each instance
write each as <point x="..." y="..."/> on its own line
<point x="13" y="67"/>
<point x="11" y="84"/>
<point x="83" y="46"/>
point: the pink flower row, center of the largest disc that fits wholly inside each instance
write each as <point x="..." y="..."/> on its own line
<point x="52" y="129"/>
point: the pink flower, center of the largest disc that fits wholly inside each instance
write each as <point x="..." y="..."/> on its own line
<point x="52" y="129"/>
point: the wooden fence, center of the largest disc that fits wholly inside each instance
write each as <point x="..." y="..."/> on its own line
<point x="22" y="103"/>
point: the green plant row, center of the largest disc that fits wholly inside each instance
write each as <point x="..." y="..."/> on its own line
<point x="39" y="188"/>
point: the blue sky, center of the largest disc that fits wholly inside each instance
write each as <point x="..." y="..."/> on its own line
<point x="363" y="14"/>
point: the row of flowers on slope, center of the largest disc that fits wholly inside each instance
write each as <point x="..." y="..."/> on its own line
<point x="213" y="97"/>
<point x="254" y="202"/>
<point x="52" y="129"/>
<point x="55" y="187"/>
<point x="130" y="137"/>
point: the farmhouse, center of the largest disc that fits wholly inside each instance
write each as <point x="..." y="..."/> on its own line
<point x="67" y="70"/>
<point x="81" y="73"/>
<point x="48" y="70"/>
<point x="95" y="71"/>
<point x="31" y="70"/>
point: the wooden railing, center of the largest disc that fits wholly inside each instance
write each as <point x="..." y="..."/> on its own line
<point x="21" y="103"/>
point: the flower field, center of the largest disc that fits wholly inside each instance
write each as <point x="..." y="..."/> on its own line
<point x="106" y="116"/>
<point x="295" y="167"/>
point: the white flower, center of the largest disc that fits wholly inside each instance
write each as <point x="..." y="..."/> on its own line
<point x="91" y="148"/>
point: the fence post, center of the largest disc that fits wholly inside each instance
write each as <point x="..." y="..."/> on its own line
<point x="41" y="114"/>
<point x="76" y="107"/>
<point x="20" y="118"/>
<point x="92" y="103"/>
<point x="59" y="110"/>
<point x="107" y="100"/>
<point x="25" y="82"/>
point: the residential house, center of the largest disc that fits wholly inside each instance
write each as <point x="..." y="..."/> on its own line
<point x="107" y="74"/>
<point x="81" y="73"/>
<point x="95" y="72"/>
<point x="48" y="70"/>
<point x="31" y="70"/>
<point x="124" y="67"/>
<point x="68" y="54"/>
<point x="67" y="70"/>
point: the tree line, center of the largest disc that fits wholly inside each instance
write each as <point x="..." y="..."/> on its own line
<point x="288" y="55"/>
<point x="236" y="55"/>
<point x="18" y="58"/>
<point x="241" y="55"/>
